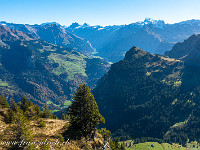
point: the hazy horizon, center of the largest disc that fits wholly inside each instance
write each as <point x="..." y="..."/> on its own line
<point x="96" y="24"/>
<point x="104" y="13"/>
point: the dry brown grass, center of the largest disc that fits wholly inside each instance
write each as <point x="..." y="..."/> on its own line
<point x="51" y="132"/>
<point x="53" y="126"/>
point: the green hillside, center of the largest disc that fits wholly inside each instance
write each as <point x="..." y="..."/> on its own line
<point x="155" y="146"/>
<point x="147" y="95"/>
<point x="43" y="71"/>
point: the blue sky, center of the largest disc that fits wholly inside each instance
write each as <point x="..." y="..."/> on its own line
<point x="102" y="12"/>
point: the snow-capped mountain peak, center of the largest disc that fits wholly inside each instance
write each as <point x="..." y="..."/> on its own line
<point x="50" y="23"/>
<point x="150" y="21"/>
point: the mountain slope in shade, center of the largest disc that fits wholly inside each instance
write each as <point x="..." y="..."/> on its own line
<point x="187" y="51"/>
<point x="147" y="95"/>
<point x="42" y="71"/>
<point x="56" y="34"/>
<point x="155" y="36"/>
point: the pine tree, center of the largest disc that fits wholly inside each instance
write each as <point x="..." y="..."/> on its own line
<point x="30" y="113"/>
<point x="30" y="103"/>
<point x="3" y="102"/>
<point x="84" y="112"/>
<point x="13" y="105"/>
<point x="63" y="117"/>
<point x="53" y="116"/>
<point x="46" y="113"/>
<point x="37" y="110"/>
<point x="21" y="129"/>
<point x="10" y="116"/>
<point x="24" y="104"/>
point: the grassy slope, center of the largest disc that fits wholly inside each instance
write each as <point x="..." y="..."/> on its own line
<point x="4" y="84"/>
<point x="70" y="63"/>
<point x="67" y="60"/>
<point x="51" y="132"/>
<point x="157" y="146"/>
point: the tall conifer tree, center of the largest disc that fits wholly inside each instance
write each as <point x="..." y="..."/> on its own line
<point x="84" y="112"/>
<point x="3" y="102"/>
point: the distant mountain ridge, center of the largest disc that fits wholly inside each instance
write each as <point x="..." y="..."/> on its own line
<point x="187" y="51"/>
<point x="56" y="34"/>
<point x="112" y="42"/>
<point x="155" y="36"/>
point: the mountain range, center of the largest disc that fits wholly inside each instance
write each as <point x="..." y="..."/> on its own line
<point x="155" y="36"/>
<point x="42" y="71"/>
<point x="55" y="34"/>
<point x="112" y="42"/>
